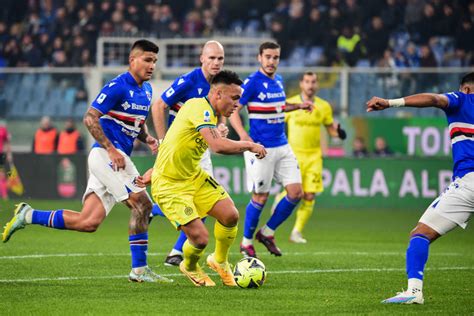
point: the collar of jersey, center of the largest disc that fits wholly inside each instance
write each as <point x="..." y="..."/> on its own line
<point x="210" y="105"/>
<point x="130" y="80"/>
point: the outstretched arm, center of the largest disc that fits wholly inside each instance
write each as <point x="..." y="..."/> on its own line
<point x="306" y="105"/>
<point x="221" y="145"/>
<point x="91" y="121"/>
<point x="421" y="100"/>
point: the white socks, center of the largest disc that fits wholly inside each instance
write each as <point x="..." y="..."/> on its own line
<point x="415" y="284"/>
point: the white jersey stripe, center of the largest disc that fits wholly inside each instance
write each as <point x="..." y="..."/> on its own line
<point x="134" y="116"/>
<point x="267" y="104"/>
<point x="460" y="138"/>
<point x="129" y="127"/>
<point x="460" y="125"/>
<point x="264" y="116"/>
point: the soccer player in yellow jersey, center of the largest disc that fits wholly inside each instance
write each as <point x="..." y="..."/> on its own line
<point x="304" y="137"/>
<point x="186" y="193"/>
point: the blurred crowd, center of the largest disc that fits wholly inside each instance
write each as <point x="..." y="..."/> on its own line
<point x="387" y="33"/>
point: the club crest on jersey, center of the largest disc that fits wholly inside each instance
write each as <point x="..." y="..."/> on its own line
<point x="207" y="116"/>
<point x="148" y="95"/>
<point x="261" y="96"/>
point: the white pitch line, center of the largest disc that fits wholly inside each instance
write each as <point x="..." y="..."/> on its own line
<point x="315" y="271"/>
<point x="153" y="254"/>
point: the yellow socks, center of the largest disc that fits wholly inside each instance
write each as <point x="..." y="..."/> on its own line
<point x="303" y="214"/>
<point x="191" y="256"/>
<point x="225" y="237"/>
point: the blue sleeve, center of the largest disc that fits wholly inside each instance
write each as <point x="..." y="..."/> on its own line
<point x="108" y="97"/>
<point x="247" y="93"/>
<point x="177" y="92"/>
<point x="455" y="100"/>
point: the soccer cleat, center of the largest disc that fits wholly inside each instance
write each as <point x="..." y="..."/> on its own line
<point x="223" y="269"/>
<point x="17" y="222"/>
<point x="174" y="260"/>
<point x="248" y="251"/>
<point x="269" y="242"/>
<point x="148" y="276"/>
<point x="406" y="297"/>
<point x="297" y="238"/>
<point x="198" y="277"/>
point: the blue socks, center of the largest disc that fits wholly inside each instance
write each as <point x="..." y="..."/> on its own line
<point x="53" y="219"/>
<point x="283" y="210"/>
<point x="252" y="215"/>
<point x="156" y="211"/>
<point x="417" y="255"/>
<point x="138" y="248"/>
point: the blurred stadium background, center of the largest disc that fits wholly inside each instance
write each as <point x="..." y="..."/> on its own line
<point x="55" y="55"/>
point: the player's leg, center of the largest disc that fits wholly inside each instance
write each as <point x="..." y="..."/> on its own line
<point x="287" y="172"/>
<point x="225" y="231"/>
<point x="311" y="171"/>
<point x="259" y="180"/>
<point x="88" y="220"/>
<point x="453" y="208"/>
<point x="193" y="249"/>
<point x="303" y="214"/>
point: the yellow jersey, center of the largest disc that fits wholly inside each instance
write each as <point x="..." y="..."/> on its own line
<point x="304" y="128"/>
<point x="182" y="148"/>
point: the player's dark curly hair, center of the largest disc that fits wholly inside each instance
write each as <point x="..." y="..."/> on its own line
<point x="267" y="45"/>
<point x="146" y="46"/>
<point x="468" y="79"/>
<point x="226" y="77"/>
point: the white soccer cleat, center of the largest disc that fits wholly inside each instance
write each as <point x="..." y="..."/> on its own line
<point x="406" y="297"/>
<point x="297" y="237"/>
<point x="17" y="222"/>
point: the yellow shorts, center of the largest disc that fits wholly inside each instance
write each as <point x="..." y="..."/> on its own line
<point x="185" y="200"/>
<point x="311" y="166"/>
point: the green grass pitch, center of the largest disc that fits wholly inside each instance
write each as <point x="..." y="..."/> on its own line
<point x="353" y="260"/>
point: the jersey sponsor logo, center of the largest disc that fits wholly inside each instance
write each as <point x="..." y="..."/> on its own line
<point x="180" y="81"/>
<point x="262" y="96"/>
<point x="134" y="106"/>
<point x="276" y="95"/>
<point x="101" y="98"/>
<point x="275" y="120"/>
<point x="199" y="91"/>
<point x="207" y="116"/>
<point x="131" y="93"/>
<point x="169" y="92"/>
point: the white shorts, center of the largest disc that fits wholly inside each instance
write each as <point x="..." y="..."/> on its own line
<point x="109" y="185"/>
<point x="453" y="207"/>
<point x="206" y="163"/>
<point x="280" y="164"/>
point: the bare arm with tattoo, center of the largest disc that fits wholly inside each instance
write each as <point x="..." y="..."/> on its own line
<point x="146" y="138"/>
<point x="91" y="121"/>
<point x="221" y="145"/>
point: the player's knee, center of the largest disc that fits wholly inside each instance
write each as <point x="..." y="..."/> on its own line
<point x="423" y="229"/>
<point x="232" y="218"/>
<point x="198" y="238"/>
<point x="296" y="194"/>
<point x="308" y="196"/>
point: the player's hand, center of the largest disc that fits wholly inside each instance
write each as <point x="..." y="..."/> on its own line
<point x="259" y="150"/>
<point x="223" y="130"/>
<point x="153" y="144"/>
<point x="307" y="105"/>
<point x="143" y="181"/>
<point x="139" y="182"/>
<point x="118" y="161"/>
<point x="340" y="132"/>
<point x="377" y="104"/>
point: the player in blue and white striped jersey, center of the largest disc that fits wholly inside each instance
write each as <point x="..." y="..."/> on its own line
<point x="265" y="100"/>
<point x="115" y="119"/>
<point x="455" y="205"/>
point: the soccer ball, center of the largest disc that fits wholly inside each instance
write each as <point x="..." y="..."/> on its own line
<point x="250" y="273"/>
